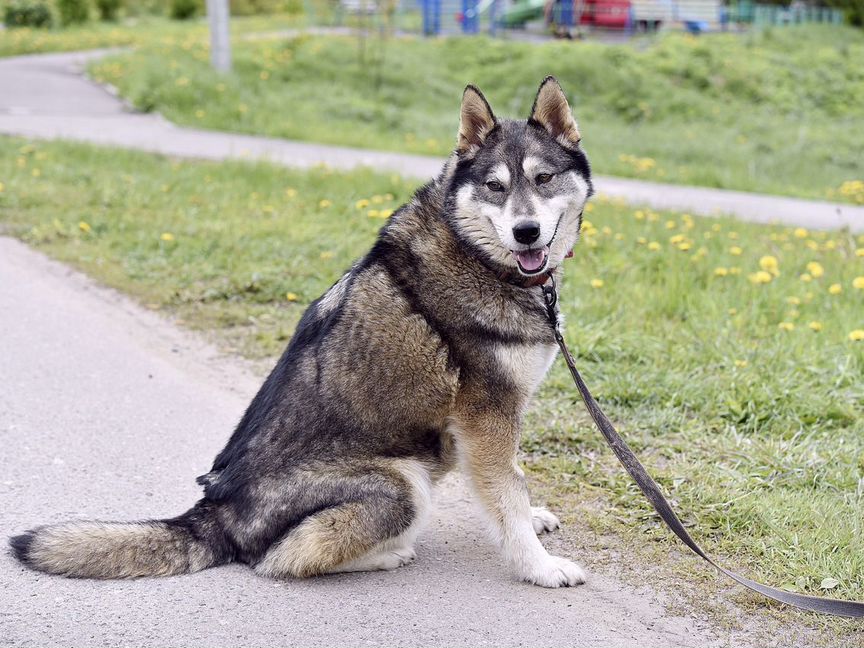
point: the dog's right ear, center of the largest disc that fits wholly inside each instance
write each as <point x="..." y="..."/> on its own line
<point x="476" y="120"/>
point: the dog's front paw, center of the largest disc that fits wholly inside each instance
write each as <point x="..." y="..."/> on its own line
<point x="544" y="520"/>
<point x="555" y="572"/>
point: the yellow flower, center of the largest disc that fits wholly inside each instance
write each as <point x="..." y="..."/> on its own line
<point x="292" y="297"/>
<point x="324" y="204"/>
<point x="813" y="245"/>
<point x="684" y="246"/>
<point x="326" y="255"/>
<point x="290" y="193"/>
<point x="732" y="311"/>
<point x="805" y="277"/>
<point x="835" y="289"/>
<point x="361" y="204"/>
<point x="377" y="199"/>
<point x="36" y="173"/>
<point x="858" y="282"/>
<point x="733" y="236"/>
<point x="678" y="238"/>
<point x="199" y="114"/>
<point x="670" y="224"/>
<point x="639" y="214"/>
<point x="587" y="224"/>
<point x="800" y="233"/>
<point x="760" y="277"/>
<point x="815" y="269"/>
<point x="769" y="264"/>
<point x="389" y="196"/>
<point x="741" y="363"/>
<point x="735" y="250"/>
<point x="372" y="213"/>
<point x="596" y="283"/>
<point x="815" y="326"/>
<point x="734" y="270"/>
<point x="786" y="326"/>
<point x="2" y="187"/>
<point x="859" y="252"/>
<point x="653" y="246"/>
<point x="857" y="335"/>
<point x="84" y="226"/>
<point x="606" y="230"/>
<point x="795" y="301"/>
<point x="385" y="213"/>
<point x="167" y="236"/>
<point x="720" y="272"/>
<point x="641" y="240"/>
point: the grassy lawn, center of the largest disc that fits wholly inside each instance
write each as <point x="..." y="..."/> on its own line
<point x="725" y="351"/>
<point x="138" y="31"/>
<point x="776" y="111"/>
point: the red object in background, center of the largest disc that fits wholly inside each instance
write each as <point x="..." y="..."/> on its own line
<point x="609" y="14"/>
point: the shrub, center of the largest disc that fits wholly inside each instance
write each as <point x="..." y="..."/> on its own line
<point x="73" y="11"/>
<point x="251" y="7"/>
<point x="854" y="10"/>
<point x="109" y="9"/>
<point x="27" y="13"/>
<point x="185" y="9"/>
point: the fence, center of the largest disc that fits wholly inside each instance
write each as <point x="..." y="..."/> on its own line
<point x="451" y="17"/>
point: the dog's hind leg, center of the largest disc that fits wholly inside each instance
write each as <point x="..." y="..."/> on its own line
<point x="372" y="529"/>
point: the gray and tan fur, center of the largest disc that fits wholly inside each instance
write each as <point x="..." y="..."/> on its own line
<point x="423" y="356"/>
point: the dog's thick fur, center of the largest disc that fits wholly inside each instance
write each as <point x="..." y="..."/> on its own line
<point x="423" y="355"/>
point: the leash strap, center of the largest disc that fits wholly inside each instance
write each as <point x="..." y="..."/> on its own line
<point x="652" y="491"/>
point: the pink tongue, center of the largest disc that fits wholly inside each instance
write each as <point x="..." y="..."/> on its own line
<point x="531" y="260"/>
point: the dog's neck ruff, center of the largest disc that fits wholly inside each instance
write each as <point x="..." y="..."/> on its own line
<point x="526" y="282"/>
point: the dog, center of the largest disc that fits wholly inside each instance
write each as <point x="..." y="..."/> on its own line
<point x="422" y="357"/>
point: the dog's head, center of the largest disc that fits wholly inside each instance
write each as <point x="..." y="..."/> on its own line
<point x="519" y="187"/>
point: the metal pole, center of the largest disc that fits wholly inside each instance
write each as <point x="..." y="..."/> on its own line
<point x="220" y="39"/>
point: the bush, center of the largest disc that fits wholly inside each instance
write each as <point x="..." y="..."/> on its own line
<point x="185" y="9"/>
<point x="73" y="11"/>
<point x="854" y="10"/>
<point x="109" y="9"/>
<point x="251" y="7"/>
<point x="27" y="13"/>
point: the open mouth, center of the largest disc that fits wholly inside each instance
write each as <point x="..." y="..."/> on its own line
<point x="532" y="262"/>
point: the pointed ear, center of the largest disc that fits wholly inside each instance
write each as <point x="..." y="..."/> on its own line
<point x="475" y="120"/>
<point x="552" y="112"/>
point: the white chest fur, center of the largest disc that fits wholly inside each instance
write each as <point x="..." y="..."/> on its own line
<point x="525" y="364"/>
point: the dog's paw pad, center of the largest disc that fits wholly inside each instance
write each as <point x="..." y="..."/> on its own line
<point x="544" y="520"/>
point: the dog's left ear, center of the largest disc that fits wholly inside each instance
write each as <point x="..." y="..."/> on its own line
<point x="552" y="112"/>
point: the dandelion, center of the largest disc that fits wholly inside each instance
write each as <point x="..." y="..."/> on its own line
<point x="786" y="326"/>
<point x="324" y="203"/>
<point x="596" y="283"/>
<point x="859" y="252"/>
<point x="812" y="245"/>
<point x="835" y="289"/>
<point x="2" y="187"/>
<point x="858" y="283"/>
<point x="167" y="237"/>
<point x="720" y="272"/>
<point x="733" y="236"/>
<point x="857" y="335"/>
<point x="199" y="114"/>
<point x="84" y="226"/>
<point x="326" y="255"/>
<point x="619" y="236"/>
<point x="639" y="214"/>
<point x="732" y="311"/>
<point x="385" y="213"/>
<point x="653" y="246"/>
<point x="806" y="278"/>
<point x="678" y="238"/>
<point x="670" y="224"/>
<point x="641" y="240"/>
<point x="372" y="213"/>
<point x="716" y="227"/>
<point x="388" y="196"/>
<point x="800" y="233"/>
<point x="794" y="301"/>
<point x="815" y="269"/>
<point x="815" y="326"/>
<point x="290" y="193"/>
<point x="36" y="173"/>
<point x="741" y="363"/>
<point x="291" y="297"/>
<point x="735" y="250"/>
<point x="377" y="199"/>
<point x="684" y="246"/>
<point x="361" y="204"/>
<point x="769" y="264"/>
<point x="760" y="277"/>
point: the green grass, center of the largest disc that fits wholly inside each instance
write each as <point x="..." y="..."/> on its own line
<point x="131" y="32"/>
<point x="756" y="432"/>
<point x="775" y="111"/>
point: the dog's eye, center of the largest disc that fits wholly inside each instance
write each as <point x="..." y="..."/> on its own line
<point x="543" y="178"/>
<point x="494" y="185"/>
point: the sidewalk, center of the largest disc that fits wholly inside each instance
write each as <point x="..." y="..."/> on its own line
<point x="47" y="97"/>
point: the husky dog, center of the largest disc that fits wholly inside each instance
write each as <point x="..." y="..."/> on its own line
<point x="423" y="355"/>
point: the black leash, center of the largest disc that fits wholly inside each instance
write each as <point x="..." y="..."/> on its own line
<point x="652" y="491"/>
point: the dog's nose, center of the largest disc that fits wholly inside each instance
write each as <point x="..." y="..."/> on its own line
<point x="527" y="232"/>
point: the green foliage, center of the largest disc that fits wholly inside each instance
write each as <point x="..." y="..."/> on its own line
<point x="755" y="430"/>
<point x="854" y="10"/>
<point x="185" y="9"/>
<point x="109" y="10"/>
<point x="27" y="13"/>
<point x="252" y="7"/>
<point x="73" y="12"/>
<point x="777" y="112"/>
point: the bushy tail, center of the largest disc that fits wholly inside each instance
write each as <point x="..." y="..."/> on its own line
<point x="188" y="543"/>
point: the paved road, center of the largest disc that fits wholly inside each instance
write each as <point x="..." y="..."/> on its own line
<point x="47" y="97"/>
<point x="107" y="411"/>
